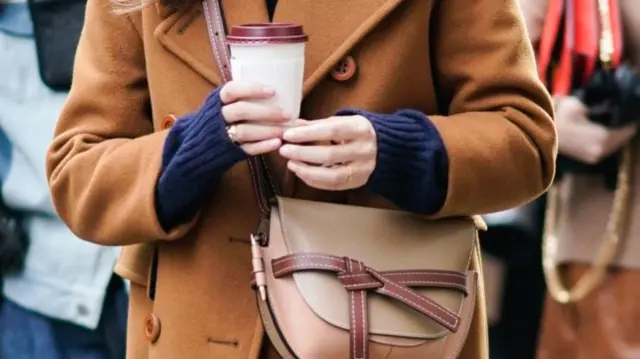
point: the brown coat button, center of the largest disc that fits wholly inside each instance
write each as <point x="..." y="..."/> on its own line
<point x="168" y="121"/>
<point x="345" y="69"/>
<point x="151" y="328"/>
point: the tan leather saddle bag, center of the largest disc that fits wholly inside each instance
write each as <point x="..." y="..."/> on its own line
<point x="351" y="282"/>
<point x="338" y="281"/>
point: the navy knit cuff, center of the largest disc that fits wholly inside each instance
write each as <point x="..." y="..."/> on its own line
<point x="197" y="152"/>
<point x="412" y="164"/>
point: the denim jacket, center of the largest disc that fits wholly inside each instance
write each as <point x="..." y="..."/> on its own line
<point x="64" y="277"/>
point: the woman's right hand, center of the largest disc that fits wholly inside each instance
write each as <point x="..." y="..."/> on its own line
<point x="584" y="140"/>
<point x="257" y="128"/>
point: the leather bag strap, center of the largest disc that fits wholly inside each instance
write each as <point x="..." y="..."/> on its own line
<point x="216" y="31"/>
<point x="263" y="184"/>
<point x="357" y="277"/>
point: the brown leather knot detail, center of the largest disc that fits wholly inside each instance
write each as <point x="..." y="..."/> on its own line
<point x="359" y="279"/>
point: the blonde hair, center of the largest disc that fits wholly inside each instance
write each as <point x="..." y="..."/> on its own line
<point x="123" y="7"/>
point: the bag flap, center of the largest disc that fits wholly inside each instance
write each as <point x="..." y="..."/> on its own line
<point x="382" y="240"/>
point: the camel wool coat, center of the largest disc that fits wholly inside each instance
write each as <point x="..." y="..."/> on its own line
<point x="468" y="64"/>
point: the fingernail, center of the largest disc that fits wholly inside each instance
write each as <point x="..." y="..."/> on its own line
<point x="289" y="134"/>
<point x="285" y="150"/>
<point x="268" y="90"/>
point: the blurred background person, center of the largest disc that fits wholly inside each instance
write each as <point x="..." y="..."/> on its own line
<point x="593" y="204"/>
<point x="514" y="281"/>
<point x="60" y="298"/>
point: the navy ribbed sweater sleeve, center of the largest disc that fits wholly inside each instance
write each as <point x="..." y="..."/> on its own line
<point x="412" y="163"/>
<point x="196" y="153"/>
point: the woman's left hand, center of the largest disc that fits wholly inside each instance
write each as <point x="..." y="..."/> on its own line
<point x="337" y="153"/>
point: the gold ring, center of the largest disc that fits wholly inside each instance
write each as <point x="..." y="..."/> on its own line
<point x="349" y="174"/>
<point x="233" y="136"/>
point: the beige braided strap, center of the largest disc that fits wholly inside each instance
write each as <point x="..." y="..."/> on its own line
<point x="607" y="250"/>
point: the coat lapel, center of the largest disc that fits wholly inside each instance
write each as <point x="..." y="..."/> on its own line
<point x="334" y="28"/>
<point x="184" y="33"/>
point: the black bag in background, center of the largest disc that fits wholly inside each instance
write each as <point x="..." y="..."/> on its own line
<point x="14" y="242"/>
<point x="57" y="25"/>
<point x="613" y="99"/>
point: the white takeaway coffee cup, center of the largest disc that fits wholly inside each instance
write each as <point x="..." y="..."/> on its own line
<point x="271" y="54"/>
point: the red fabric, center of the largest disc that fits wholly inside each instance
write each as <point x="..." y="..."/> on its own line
<point x="563" y="75"/>
<point x="586" y="35"/>
<point x="549" y="36"/>
<point x="580" y="41"/>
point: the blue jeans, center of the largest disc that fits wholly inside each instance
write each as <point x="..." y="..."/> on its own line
<point x="28" y="335"/>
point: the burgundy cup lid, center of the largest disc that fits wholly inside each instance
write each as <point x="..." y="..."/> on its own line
<point x="266" y="33"/>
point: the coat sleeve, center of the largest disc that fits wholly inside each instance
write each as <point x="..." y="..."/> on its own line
<point x="498" y="129"/>
<point x="105" y="159"/>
